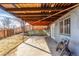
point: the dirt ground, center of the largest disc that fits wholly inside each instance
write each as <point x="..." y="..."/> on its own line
<point x="9" y="43"/>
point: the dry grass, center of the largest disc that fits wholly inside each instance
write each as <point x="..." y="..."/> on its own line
<point x="9" y="43"/>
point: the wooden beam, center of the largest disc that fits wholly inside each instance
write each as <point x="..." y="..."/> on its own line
<point x="40" y="23"/>
<point x="36" y="15"/>
<point x="35" y="19"/>
<point x="47" y="13"/>
<point x="34" y="9"/>
<point x="14" y="5"/>
<point x="59" y="12"/>
<point x="31" y="18"/>
<point x="51" y="19"/>
<point x="32" y="15"/>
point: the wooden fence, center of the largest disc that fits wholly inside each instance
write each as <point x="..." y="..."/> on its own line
<point x="9" y="32"/>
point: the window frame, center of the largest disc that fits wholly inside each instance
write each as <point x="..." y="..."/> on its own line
<point x="64" y="26"/>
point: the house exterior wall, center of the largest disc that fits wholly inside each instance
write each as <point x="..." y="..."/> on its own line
<point x="74" y="37"/>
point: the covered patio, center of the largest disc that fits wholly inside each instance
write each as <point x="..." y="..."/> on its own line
<point x="33" y="28"/>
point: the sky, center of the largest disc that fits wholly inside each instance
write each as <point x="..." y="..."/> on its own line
<point x="4" y="14"/>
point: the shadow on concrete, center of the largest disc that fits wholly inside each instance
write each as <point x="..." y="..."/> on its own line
<point x="51" y="45"/>
<point x="38" y="48"/>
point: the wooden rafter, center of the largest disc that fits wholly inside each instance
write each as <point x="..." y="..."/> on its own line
<point x="37" y="13"/>
<point x="59" y="12"/>
<point x="34" y="9"/>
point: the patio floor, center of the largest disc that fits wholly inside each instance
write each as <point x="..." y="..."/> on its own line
<point x="35" y="46"/>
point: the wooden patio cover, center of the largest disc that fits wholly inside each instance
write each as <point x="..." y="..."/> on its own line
<point x="35" y="12"/>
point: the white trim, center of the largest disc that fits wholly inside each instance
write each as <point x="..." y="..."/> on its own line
<point x="46" y="32"/>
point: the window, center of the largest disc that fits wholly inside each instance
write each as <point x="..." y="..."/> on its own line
<point x="65" y="27"/>
<point x="61" y="27"/>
